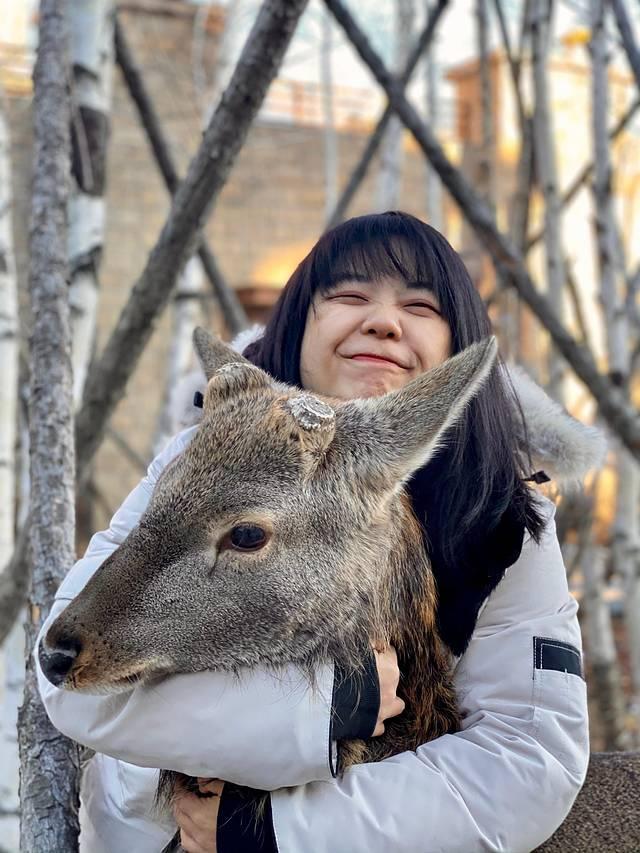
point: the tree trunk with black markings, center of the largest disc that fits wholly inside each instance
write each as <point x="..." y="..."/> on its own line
<point x="91" y="47"/>
<point x="11" y="651"/>
<point x="49" y="761"/>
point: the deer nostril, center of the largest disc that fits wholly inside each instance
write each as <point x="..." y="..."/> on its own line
<point x="56" y="663"/>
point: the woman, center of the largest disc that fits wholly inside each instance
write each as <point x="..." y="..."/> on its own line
<point x="377" y="301"/>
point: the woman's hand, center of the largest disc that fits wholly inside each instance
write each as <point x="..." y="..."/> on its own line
<point x="197" y="817"/>
<point x="389" y="676"/>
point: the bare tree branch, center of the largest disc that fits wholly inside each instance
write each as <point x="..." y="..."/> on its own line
<point x="572" y="289"/>
<point x="232" y="310"/>
<point x="615" y="321"/>
<point x="258" y="65"/>
<point x="622" y="419"/>
<point x="514" y="64"/>
<point x="546" y="171"/>
<point x="375" y="139"/>
<point x="49" y="777"/>
<point x="585" y="173"/>
<point x="122" y="444"/>
<point x="485" y="174"/>
<point x="628" y="40"/>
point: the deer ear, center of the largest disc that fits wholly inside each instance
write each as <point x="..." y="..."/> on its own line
<point x="213" y="353"/>
<point x="386" y="439"/>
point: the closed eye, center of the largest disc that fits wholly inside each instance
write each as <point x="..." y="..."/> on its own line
<point x="427" y="306"/>
<point x="356" y="297"/>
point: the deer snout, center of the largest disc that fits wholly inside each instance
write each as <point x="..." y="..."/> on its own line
<point x="56" y="662"/>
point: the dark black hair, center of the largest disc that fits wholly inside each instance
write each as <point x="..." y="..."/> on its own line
<point x="474" y="484"/>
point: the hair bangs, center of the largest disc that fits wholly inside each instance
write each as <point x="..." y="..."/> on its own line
<point x="376" y="246"/>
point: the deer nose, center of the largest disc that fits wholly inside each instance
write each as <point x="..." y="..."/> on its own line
<point x="56" y="663"/>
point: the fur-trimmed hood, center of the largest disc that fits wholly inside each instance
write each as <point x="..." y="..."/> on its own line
<point x="561" y="446"/>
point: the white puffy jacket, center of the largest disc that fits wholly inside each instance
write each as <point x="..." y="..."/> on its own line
<point x="505" y="782"/>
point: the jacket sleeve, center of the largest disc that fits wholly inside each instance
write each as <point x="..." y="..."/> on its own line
<point x="201" y="724"/>
<point x="508" y="779"/>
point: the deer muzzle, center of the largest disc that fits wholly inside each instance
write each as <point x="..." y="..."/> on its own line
<point x="57" y="662"/>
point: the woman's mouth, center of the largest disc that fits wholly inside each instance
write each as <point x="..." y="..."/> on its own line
<point x="376" y="359"/>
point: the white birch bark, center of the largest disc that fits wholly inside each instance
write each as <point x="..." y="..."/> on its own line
<point x="602" y="651"/>
<point x="390" y="174"/>
<point x="49" y="762"/>
<point x="610" y="293"/>
<point x="330" y="137"/>
<point x="92" y="59"/>
<point x="625" y="539"/>
<point x="8" y="350"/>
<point x="12" y="651"/>
<point x="626" y="560"/>
<point x="433" y="184"/>
<point x="186" y="316"/>
<point x="485" y="160"/>
<point x="547" y="175"/>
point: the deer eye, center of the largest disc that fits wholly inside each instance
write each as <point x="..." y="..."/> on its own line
<point x="246" y="537"/>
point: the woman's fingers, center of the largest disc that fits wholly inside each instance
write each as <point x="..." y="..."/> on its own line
<point x="210" y="786"/>
<point x="389" y="677"/>
<point x="197" y="817"/>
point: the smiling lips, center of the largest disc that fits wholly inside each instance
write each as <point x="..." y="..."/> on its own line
<point x="376" y="359"/>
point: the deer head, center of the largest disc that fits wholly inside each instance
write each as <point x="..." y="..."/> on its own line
<point x="266" y="540"/>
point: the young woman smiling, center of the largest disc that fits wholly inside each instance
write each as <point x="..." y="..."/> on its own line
<point x="379" y="300"/>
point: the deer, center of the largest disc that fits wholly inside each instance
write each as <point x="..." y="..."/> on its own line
<point x="281" y="534"/>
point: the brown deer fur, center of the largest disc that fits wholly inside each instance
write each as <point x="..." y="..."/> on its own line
<point x="343" y="564"/>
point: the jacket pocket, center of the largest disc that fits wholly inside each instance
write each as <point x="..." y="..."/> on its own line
<point x="560" y="718"/>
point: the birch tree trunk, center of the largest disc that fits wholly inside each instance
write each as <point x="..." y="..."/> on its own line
<point x="186" y="313"/>
<point x="12" y="651"/>
<point x="545" y="159"/>
<point x="435" y="215"/>
<point x="91" y="45"/>
<point x="328" y="112"/>
<point x="602" y="651"/>
<point x="486" y="158"/>
<point x="519" y="204"/>
<point x="628" y="39"/>
<point x="626" y="559"/>
<point x="616" y="330"/>
<point x="8" y="348"/>
<point x="390" y="174"/>
<point x="625" y="539"/>
<point x="49" y="762"/>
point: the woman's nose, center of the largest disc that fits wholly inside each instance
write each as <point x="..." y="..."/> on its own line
<point x="383" y="324"/>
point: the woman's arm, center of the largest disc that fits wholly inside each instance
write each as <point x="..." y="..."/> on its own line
<point x="264" y="730"/>
<point x="503" y="783"/>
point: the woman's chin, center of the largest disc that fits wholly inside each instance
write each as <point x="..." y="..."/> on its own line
<point x="371" y="388"/>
